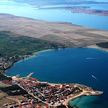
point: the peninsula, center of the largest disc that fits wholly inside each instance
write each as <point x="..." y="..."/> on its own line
<point x="48" y="94"/>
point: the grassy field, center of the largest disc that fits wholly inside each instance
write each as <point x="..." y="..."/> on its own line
<point x="11" y="44"/>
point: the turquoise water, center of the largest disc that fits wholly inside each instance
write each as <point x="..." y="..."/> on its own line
<point x="77" y="65"/>
<point x="31" y="11"/>
<point x="90" y="102"/>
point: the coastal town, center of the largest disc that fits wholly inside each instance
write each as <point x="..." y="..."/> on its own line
<point x="70" y="41"/>
<point x="39" y="94"/>
<point x="7" y="62"/>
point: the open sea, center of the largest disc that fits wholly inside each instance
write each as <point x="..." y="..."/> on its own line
<point x="73" y="65"/>
<point x="78" y="65"/>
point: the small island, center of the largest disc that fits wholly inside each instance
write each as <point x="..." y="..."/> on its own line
<point x="82" y="9"/>
<point x="49" y="95"/>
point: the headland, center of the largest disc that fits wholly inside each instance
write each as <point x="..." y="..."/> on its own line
<point x="50" y="95"/>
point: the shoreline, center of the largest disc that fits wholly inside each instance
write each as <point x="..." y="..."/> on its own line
<point x="4" y="71"/>
<point x="97" y="47"/>
<point x="72" y="98"/>
<point x="42" y="51"/>
<point x="83" y="90"/>
<point x="29" y="56"/>
<point x="36" y="54"/>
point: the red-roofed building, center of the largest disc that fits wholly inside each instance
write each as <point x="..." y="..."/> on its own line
<point x="33" y="79"/>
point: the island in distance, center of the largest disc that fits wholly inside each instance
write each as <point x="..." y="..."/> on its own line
<point x="60" y="32"/>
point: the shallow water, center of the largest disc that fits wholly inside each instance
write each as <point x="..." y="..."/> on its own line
<point x="90" y="102"/>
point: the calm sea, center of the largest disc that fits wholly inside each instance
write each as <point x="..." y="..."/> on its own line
<point x="66" y="65"/>
<point x="76" y="65"/>
<point x="35" y="12"/>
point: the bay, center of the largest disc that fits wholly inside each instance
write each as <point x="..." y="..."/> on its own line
<point x="66" y="65"/>
<point x="73" y="65"/>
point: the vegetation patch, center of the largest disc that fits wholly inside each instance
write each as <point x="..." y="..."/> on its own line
<point x="103" y="44"/>
<point x="12" y="45"/>
<point x="13" y="90"/>
<point x="3" y="77"/>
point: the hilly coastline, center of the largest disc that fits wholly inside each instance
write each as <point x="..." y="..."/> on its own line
<point x="20" y="37"/>
<point x="60" y="32"/>
<point x="64" y="75"/>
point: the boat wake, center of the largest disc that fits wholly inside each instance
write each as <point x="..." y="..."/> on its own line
<point x="94" y="77"/>
<point x="90" y="58"/>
